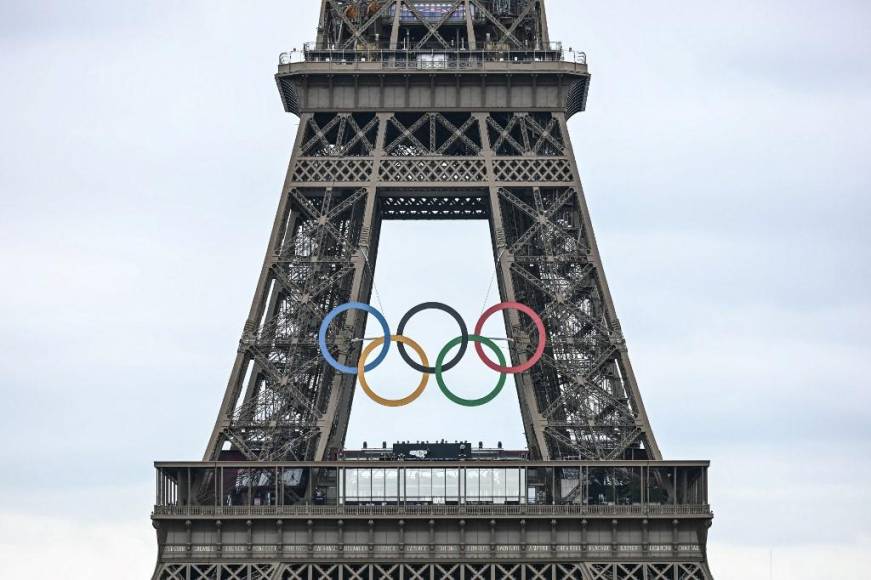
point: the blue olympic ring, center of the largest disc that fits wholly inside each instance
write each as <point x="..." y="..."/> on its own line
<point x="325" y="325"/>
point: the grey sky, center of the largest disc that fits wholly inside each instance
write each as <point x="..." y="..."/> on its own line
<point x="725" y="157"/>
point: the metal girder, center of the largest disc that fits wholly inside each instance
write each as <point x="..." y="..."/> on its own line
<point x="537" y="570"/>
<point x="529" y="129"/>
<point x="341" y="143"/>
<point x="350" y="24"/>
<point x="433" y="30"/>
<point x="513" y="168"/>
<point x="579" y="401"/>
<point x="442" y="135"/>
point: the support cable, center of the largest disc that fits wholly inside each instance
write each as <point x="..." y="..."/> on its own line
<point x="492" y="280"/>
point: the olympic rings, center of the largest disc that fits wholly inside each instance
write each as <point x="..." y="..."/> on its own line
<point x="361" y="373"/>
<point x="444" y="308"/>
<point x="440" y="368"/>
<point x="325" y="325"/>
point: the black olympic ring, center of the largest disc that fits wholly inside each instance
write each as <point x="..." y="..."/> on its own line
<point x="464" y="336"/>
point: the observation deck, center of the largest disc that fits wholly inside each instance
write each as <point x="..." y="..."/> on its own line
<point x="367" y="507"/>
<point x="432" y="489"/>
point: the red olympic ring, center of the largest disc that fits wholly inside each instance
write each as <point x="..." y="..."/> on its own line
<point x="539" y="325"/>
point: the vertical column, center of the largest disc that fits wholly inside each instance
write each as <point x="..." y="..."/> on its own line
<point x="630" y="382"/>
<point x="334" y="423"/>
<point x="470" y="25"/>
<point x="533" y="422"/>
<point x="394" y="33"/>
<point x="258" y="304"/>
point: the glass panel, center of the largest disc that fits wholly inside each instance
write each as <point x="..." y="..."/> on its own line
<point x="425" y="485"/>
<point x="203" y="486"/>
<point x="265" y="492"/>
<point x="536" y="492"/>
<point x="660" y="486"/>
<point x="569" y="486"/>
<point x="438" y="486"/>
<point x="513" y="488"/>
<point x="292" y="485"/>
<point x="690" y="486"/>
<point x="326" y="487"/>
<point x="599" y="486"/>
<point x="412" y="485"/>
<point x="486" y="482"/>
<point x="391" y="485"/>
<point x="499" y="491"/>
<point x="523" y="484"/>
<point x="627" y="485"/>
<point x="452" y="486"/>
<point x="349" y="483"/>
<point x="378" y="490"/>
<point x="240" y="490"/>
<point x="364" y="483"/>
<point x="473" y="489"/>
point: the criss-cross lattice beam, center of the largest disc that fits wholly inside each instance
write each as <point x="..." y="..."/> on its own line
<point x="457" y="133"/>
<point x="358" y="32"/>
<point x="545" y="134"/>
<point x="433" y="30"/>
<point x="507" y="35"/>
<point x="407" y="133"/>
<point x="320" y="133"/>
<point x="505" y="133"/>
<point x="531" y="7"/>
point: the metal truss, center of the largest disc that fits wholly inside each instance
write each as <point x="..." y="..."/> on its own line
<point x="340" y="135"/>
<point x="583" y="388"/>
<point x="352" y="168"/>
<point x="525" y="134"/>
<point x="412" y="25"/>
<point x="415" y="134"/>
<point x="317" y="259"/>
<point x="435" y="571"/>
<point x="517" y="171"/>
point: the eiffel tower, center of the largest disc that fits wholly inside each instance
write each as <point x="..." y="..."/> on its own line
<point x="436" y="110"/>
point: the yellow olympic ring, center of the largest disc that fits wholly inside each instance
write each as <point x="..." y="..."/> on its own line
<point x="361" y="372"/>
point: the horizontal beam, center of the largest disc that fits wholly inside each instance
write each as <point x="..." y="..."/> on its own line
<point x="423" y="464"/>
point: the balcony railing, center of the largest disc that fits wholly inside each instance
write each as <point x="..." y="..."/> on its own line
<point x="430" y="59"/>
<point x="433" y="510"/>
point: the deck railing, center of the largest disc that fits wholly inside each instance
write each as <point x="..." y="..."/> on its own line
<point x="430" y="59"/>
<point x="435" y="510"/>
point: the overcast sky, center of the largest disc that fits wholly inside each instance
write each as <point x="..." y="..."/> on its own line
<point x="725" y="154"/>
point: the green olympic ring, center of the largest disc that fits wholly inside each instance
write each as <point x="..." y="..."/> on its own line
<point x="439" y="371"/>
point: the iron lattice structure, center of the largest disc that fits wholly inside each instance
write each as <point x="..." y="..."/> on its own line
<point x="432" y="110"/>
<point x="391" y="128"/>
<point x="628" y="571"/>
